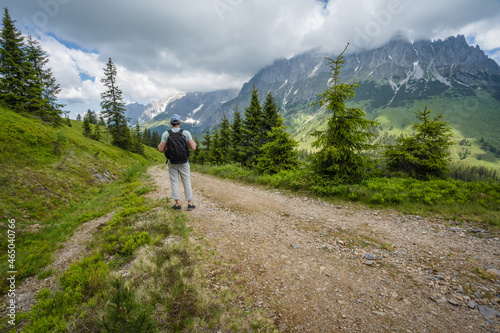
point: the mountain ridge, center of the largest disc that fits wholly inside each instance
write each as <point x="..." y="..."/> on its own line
<point x="394" y="78"/>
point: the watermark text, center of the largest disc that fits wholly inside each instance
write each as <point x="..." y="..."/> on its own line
<point x="11" y="273"/>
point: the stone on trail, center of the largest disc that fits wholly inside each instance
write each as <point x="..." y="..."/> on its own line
<point x="494" y="271"/>
<point x="370" y="256"/>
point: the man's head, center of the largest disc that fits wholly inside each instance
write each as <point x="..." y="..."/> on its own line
<point x="175" y="120"/>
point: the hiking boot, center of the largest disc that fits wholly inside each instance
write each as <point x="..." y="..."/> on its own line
<point x="176" y="207"/>
<point x="191" y="207"/>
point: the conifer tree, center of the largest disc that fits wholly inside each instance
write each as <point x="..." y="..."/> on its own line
<point x="271" y="115"/>
<point x="236" y="138"/>
<point x="114" y="108"/>
<point x="340" y="146"/>
<point x="87" y="130"/>
<point x="205" y="156"/>
<point x="52" y="109"/>
<point x="146" y="137"/>
<point x="12" y="65"/>
<point x="425" y="155"/>
<point x="224" y="141"/>
<point x="280" y="153"/>
<point x="79" y="117"/>
<point x="137" y="140"/>
<point x="33" y="77"/>
<point x="25" y="84"/>
<point x="155" y="139"/>
<point x="215" y="152"/>
<point x="92" y="116"/>
<point x="42" y="89"/>
<point x="252" y="130"/>
<point x="97" y="135"/>
<point x="194" y="156"/>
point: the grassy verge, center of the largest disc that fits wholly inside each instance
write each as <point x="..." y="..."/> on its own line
<point x="51" y="181"/>
<point x="144" y="275"/>
<point x="449" y="199"/>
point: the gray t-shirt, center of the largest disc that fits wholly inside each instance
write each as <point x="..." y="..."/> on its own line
<point x="165" y="134"/>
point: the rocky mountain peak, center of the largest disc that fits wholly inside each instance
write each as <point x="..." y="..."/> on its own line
<point x="398" y="71"/>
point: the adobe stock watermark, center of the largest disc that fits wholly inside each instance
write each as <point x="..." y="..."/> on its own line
<point x="222" y="7"/>
<point x="373" y="28"/>
<point x="11" y="273"/>
<point x="48" y="10"/>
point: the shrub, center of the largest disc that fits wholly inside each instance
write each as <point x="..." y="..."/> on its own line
<point x="131" y="173"/>
<point x="425" y="155"/>
<point x="123" y="314"/>
<point x="83" y="284"/>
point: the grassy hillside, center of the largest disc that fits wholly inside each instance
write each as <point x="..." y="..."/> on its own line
<point x="44" y="167"/>
<point x="50" y="179"/>
<point x="54" y="180"/>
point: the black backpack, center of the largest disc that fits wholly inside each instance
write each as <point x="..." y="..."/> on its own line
<point x="177" y="151"/>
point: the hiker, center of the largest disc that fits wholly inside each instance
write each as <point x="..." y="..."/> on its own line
<point x="177" y="152"/>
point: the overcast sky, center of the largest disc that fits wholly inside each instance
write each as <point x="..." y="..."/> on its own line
<point x="162" y="47"/>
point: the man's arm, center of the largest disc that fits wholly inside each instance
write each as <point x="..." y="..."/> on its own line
<point x="192" y="144"/>
<point x="162" y="145"/>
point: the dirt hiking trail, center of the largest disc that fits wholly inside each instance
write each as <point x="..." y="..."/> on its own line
<point x="313" y="266"/>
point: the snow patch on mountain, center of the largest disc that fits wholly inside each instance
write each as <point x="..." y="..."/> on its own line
<point x="440" y="78"/>
<point x="315" y="70"/>
<point x="192" y="121"/>
<point x="197" y="109"/>
<point x="157" y="106"/>
<point x="418" y="72"/>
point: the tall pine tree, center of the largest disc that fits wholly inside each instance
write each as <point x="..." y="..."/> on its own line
<point x="26" y="85"/>
<point x="204" y="155"/>
<point x="236" y="138"/>
<point x="114" y="108"/>
<point x="33" y="77"/>
<point x="252" y="130"/>
<point x="42" y="89"/>
<point x="12" y="65"/>
<point x="92" y="116"/>
<point x="97" y="135"/>
<point x="272" y="117"/>
<point x="146" y="137"/>
<point x="339" y="158"/>
<point x="155" y="139"/>
<point x="137" y="146"/>
<point x="280" y="152"/>
<point x="86" y="129"/>
<point x="215" y="152"/>
<point x="225" y="141"/>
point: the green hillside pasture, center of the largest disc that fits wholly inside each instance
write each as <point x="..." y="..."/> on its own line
<point x="471" y="117"/>
<point x="303" y="133"/>
<point x="160" y="123"/>
<point x="51" y="181"/>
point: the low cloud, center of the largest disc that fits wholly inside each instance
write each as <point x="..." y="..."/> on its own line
<point x="162" y="47"/>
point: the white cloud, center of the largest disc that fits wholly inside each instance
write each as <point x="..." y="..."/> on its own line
<point x="485" y="34"/>
<point x="162" y="47"/>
